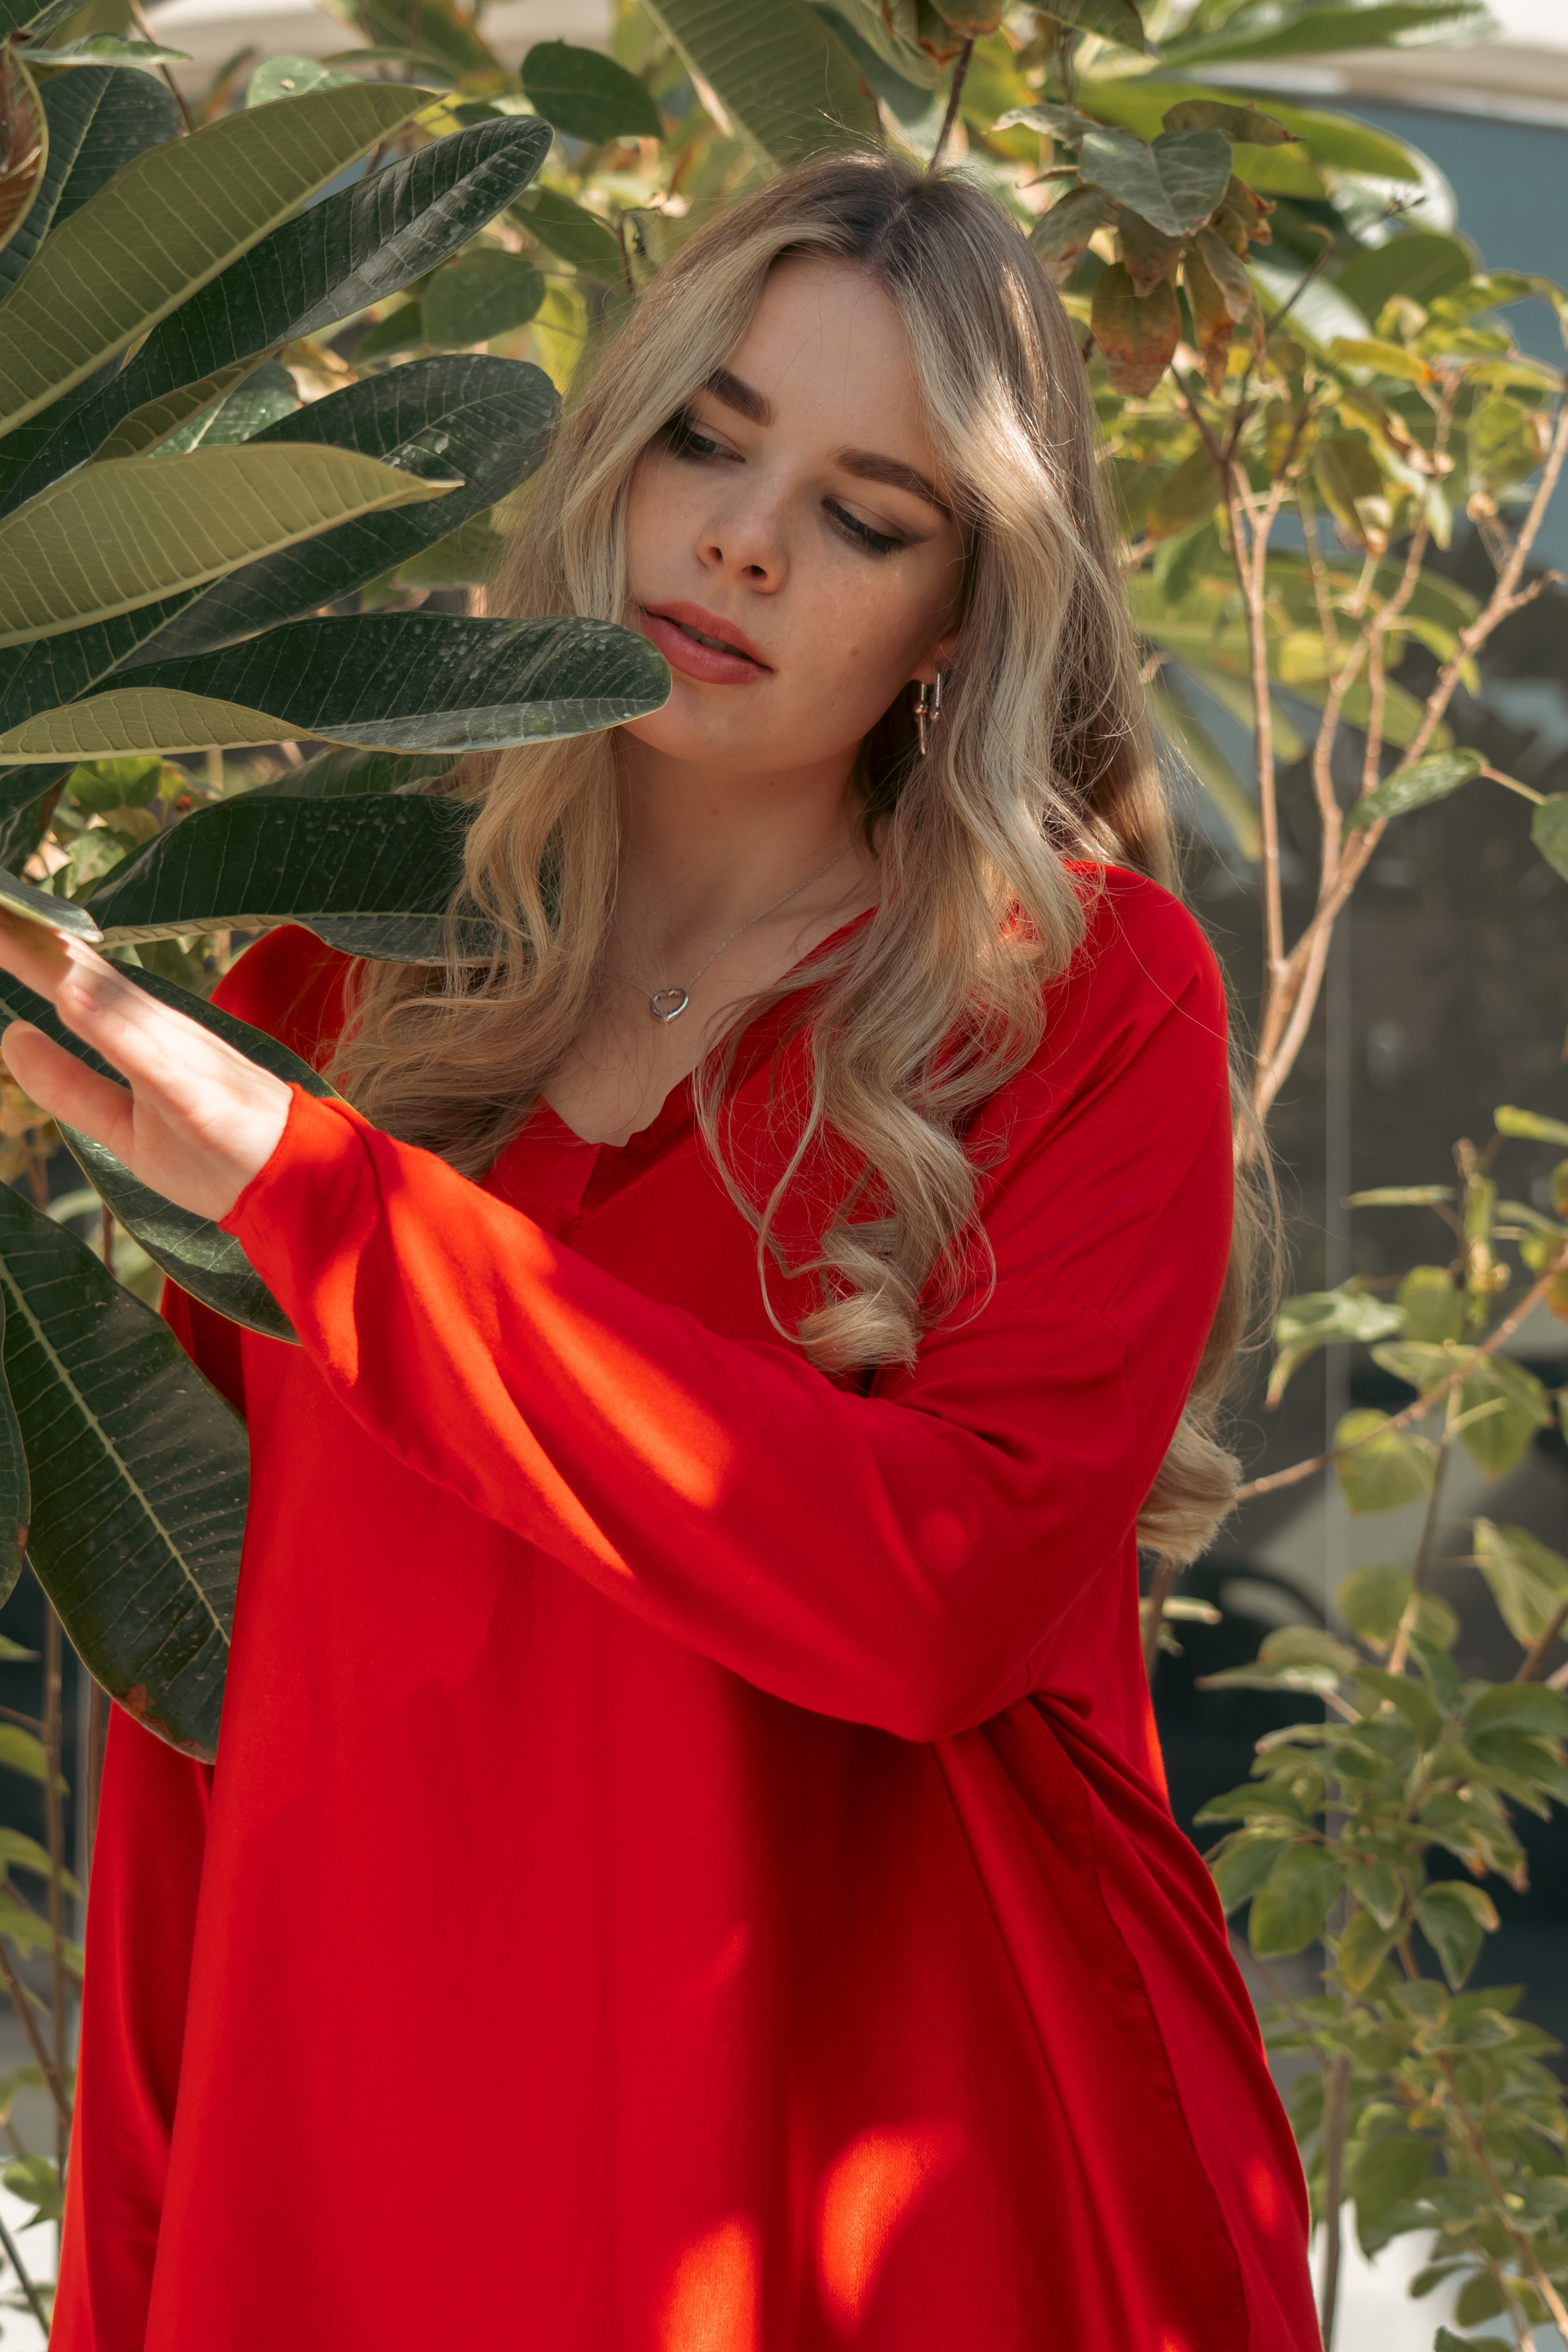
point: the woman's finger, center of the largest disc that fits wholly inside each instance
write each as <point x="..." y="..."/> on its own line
<point x="67" y="1089"/>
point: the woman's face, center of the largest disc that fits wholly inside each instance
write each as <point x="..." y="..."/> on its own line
<point x="789" y="552"/>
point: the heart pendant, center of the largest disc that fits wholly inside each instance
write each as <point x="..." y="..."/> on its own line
<point x="668" y="1003"/>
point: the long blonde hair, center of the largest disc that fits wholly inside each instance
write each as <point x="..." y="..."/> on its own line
<point x="1043" y="755"/>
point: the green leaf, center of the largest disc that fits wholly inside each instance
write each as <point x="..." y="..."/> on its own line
<point x="1528" y="1580"/>
<point x="347" y="253"/>
<point x="1420" y="263"/>
<point x="1316" y="1316"/>
<point x="488" y="421"/>
<point x="1350" y="483"/>
<point x="98" y="121"/>
<point x="36" y="2180"/>
<point x="181" y="419"/>
<point x="587" y="95"/>
<point x="484" y="294"/>
<point x="1242" y="1868"/>
<point x="36" y="906"/>
<point x="20" y="1752"/>
<point x="22" y="1852"/>
<point x="428" y="29"/>
<point x="1420" y="1365"/>
<point x="470" y="557"/>
<point x="787" y="86"/>
<point x="1175" y="184"/>
<point x="168" y="224"/>
<point x="1244" y="125"/>
<point x="1289" y="1908"/>
<point x="292" y="76"/>
<point x="111" y="50"/>
<point x="138" y="1476"/>
<point x="1429" y="779"/>
<point x="1517" y="1706"/>
<point x="1372" y="1603"/>
<point x="1208" y="764"/>
<point x="1549" y="830"/>
<point x="572" y="232"/>
<point x="402" y="330"/>
<point x="371" y="874"/>
<point x="1387" y="1470"/>
<point x="129" y="531"/>
<point x="16" y="1496"/>
<point x="1362" y="1949"/>
<point x="402" y="682"/>
<point x="333" y="774"/>
<point x="1307" y="1645"/>
<point x="1112" y="20"/>
<point x="1432" y="1305"/>
<point x="1061" y="236"/>
<point x="1531" y="1124"/>
<point x="1304" y="32"/>
<point x="1501" y="1435"/>
<point x="1338" y="141"/>
<point x="1454" y="1917"/>
<point x="1386" y="2174"/>
<point x="1412" y="1698"/>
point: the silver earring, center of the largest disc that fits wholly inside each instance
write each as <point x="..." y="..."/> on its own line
<point x="928" y="710"/>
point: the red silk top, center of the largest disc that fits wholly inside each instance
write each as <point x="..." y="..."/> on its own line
<point x="687" y="1867"/>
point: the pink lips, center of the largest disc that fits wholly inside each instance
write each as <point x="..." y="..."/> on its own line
<point x="678" y="630"/>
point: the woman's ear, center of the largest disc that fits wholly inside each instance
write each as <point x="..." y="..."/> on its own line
<point x="940" y="657"/>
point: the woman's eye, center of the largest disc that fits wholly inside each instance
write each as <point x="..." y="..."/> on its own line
<point x="878" y="543"/>
<point x="683" y="439"/>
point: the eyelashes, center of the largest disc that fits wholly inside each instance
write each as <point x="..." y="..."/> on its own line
<point x="683" y="439"/>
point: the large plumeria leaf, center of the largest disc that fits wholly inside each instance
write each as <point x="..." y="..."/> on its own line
<point x="193" y="1249"/>
<point x="15" y="1489"/>
<point x="97" y="119"/>
<point x="1113" y="20"/>
<point x="348" y="774"/>
<point x="24" y="143"/>
<point x="404" y="682"/>
<point x="1175" y="184"/>
<point x="432" y="29"/>
<point x="139" y="1474"/>
<point x="41" y="907"/>
<point x="128" y="532"/>
<point x="587" y="95"/>
<point x="487" y="421"/>
<point x="1313" y="28"/>
<point x="482" y="294"/>
<point x="34" y="17"/>
<point x="27" y="797"/>
<point x="347" y="252"/>
<point x="572" y="231"/>
<point x="155" y="423"/>
<point x="167" y="224"/>
<point x="787" y="86"/>
<point x="370" y="874"/>
<point x="1142" y="106"/>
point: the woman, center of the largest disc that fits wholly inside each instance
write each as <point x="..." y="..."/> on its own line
<point x="687" y="1867"/>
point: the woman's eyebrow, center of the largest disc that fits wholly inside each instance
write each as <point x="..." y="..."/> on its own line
<point x="867" y="467"/>
<point x="754" y="406"/>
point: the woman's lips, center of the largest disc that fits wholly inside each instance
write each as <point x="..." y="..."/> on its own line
<point x="701" y="645"/>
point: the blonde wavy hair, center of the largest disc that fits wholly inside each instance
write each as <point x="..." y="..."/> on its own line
<point x="1043" y="755"/>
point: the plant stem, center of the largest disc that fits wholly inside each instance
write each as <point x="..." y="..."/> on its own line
<point x="1160" y="1587"/>
<point x="955" y="91"/>
<point x="13" y="2255"/>
<point x="54" y="1817"/>
<point x="145" y="29"/>
<point x="21" y="2001"/>
<point x="1336" y="2124"/>
<point x="1536" y="1656"/>
<point x="1423" y="1560"/>
<point x="1422" y="1404"/>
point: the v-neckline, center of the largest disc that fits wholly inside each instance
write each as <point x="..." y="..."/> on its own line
<point x="682" y="1087"/>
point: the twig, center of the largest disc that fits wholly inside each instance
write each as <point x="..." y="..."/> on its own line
<point x="1536" y="1656"/>
<point x="14" y="2256"/>
<point x="22" y="2001"/>
<point x="955" y="91"/>
<point x="1336" y="2121"/>
<point x="1422" y="1404"/>
<point x="145" y="29"/>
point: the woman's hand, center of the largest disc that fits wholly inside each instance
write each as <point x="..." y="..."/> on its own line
<point x="196" y="1121"/>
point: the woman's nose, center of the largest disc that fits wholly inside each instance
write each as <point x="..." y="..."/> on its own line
<point x="746" y="543"/>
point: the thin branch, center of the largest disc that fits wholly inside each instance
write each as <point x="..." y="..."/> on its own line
<point x="145" y="29"/>
<point x="1522" y="2246"/>
<point x="1536" y="1656"/>
<point x="22" y="2001"/>
<point x="955" y="91"/>
<point x="1422" y="1404"/>
<point x="1336" y="2122"/>
<point x="13" y="2255"/>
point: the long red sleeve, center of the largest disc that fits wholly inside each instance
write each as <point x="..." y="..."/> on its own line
<point x="899" y="1558"/>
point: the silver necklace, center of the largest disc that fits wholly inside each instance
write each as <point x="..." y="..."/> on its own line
<point x="668" y="1003"/>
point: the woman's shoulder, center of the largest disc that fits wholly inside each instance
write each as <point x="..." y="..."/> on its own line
<point x="1141" y="945"/>
<point x="289" y="983"/>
